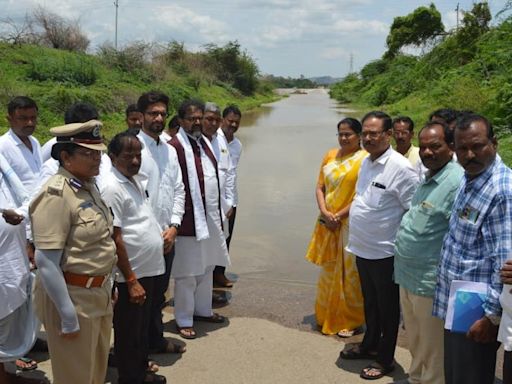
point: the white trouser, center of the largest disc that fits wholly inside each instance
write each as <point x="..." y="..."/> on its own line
<point x="193" y="296"/>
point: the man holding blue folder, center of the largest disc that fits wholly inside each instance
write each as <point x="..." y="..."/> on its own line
<point x="476" y="246"/>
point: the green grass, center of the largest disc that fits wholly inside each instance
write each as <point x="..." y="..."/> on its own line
<point x="55" y="79"/>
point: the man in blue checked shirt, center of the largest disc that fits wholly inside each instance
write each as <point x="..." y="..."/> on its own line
<point x="476" y="246"/>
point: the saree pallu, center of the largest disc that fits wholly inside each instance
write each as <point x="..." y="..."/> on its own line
<point x="339" y="301"/>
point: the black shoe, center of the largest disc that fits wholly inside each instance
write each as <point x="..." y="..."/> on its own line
<point x="154" y="378"/>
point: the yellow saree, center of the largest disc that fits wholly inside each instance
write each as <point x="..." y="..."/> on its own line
<point x="339" y="301"/>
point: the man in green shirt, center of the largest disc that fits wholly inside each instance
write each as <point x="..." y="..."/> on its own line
<point x="417" y="251"/>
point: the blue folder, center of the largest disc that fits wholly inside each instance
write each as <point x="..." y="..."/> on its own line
<point x="468" y="309"/>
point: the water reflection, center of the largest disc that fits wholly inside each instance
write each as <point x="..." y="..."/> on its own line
<point x="283" y="147"/>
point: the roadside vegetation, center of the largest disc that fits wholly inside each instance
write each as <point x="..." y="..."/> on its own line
<point x="468" y="68"/>
<point x="45" y="58"/>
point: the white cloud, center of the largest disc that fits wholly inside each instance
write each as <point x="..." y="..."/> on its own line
<point x="334" y="53"/>
<point x="369" y="27"/>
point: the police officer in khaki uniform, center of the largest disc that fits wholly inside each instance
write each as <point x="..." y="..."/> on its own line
<point x="75" y="254"/>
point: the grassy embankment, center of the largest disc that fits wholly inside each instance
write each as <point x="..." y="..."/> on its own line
<point x="465" y="75"/>
<point x="55" y="79"/>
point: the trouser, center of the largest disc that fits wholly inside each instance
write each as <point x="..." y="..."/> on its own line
<point x="381" y="307"/>
<point x="156" y="325"/>
<point x="468" y="362"/>
<point x="231" y="225"/>
<point x="424" y="338"/>
<point x="193" y="296"/>
<point x="83" y="359"/>
<point x="131" y="344"/>
<point x="507" y="367"/>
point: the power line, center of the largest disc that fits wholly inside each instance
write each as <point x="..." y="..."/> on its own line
<point x="116" y="4"/>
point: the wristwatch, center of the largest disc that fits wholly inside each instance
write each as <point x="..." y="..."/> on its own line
<point x="494" y="319"/>
<point x="175" y="225"/>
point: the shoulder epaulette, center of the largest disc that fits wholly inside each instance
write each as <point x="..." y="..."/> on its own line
<point x="56" y="185"/>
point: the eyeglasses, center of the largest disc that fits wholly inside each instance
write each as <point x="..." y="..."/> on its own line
<point x="345" y="135"/>
<point x="89" y="153"/>
<point x="193" y="119"/>
<point x="155" y="114"/>
<point x="371" y="135"/>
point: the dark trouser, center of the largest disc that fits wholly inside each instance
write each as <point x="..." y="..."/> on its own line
<point x="131" y="346"/>
<point x="507" y="368"/>
<point x="219" y="269"/>
<point x="156" y="325"/>
<point x="468" y="362"/>
<point x="381" y="307"/>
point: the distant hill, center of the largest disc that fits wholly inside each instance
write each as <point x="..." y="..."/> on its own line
<point x="325" y="80"/>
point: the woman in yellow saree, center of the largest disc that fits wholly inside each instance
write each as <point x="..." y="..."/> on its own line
<point x="339" y="302"/>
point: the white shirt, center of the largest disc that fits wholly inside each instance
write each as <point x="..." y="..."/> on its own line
<point x="46" y="149"/>
<point x="14" y="266"/>
<point x="235" y="151"/>
<point x="384" y="191"/>
<point x="160" y="175"/>
<point x="140" y="231"/>
<point x="25" y="163"/>
<point x="227" y="171"/>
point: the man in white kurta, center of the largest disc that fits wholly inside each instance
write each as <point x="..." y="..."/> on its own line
<point x="18" y="324"/>
<point x="201" y="243"/>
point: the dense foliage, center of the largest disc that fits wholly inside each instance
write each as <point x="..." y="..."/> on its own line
<point x="113" y="79"/>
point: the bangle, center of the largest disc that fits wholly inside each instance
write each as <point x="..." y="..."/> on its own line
<point x="131" y="279"/>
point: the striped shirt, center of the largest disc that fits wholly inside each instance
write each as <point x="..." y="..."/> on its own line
<point x="480" y="236"/>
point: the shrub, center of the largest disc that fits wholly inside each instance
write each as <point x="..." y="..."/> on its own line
<point x="65" y="69"/>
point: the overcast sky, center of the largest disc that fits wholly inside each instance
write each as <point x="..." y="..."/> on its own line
<point x="285" y="37"/>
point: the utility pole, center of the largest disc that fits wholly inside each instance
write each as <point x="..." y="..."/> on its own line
<point x="351" y="63"/>
<point x="457" y="10"/>
<point x="116" y="4"/>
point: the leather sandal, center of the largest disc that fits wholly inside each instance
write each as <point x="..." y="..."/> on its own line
<point x="357" y="353"/>
<point x="375" y="371"/>
<point x="187" y="332"/>
<point x="215" y="318"/>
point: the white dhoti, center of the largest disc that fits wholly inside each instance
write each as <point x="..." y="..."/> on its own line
<point x="195" y="260"/>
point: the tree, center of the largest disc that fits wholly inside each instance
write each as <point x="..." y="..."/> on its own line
<point x="417" y="29"/>
<point x="57" y="32"/>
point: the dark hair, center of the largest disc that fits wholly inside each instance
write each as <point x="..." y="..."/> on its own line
<point x="386" y="119"/>
<point x="131" y="108"/>
<point x="57" y="148"/>
<point x="116" y="145"/>
<point x="231" y="109"/>
<point x="150" y="98"/>
<point x="448" y="133"/>
<point x="187" y="104"/>
<point x="406" y="120"/>
<point x="20" y="102"/>
<point x="174" y="123"/>
<point x="80" y="113"/>
<point x="354" y="124"/>
<point x="447" y="114"/>
<point x="464" y="121"/>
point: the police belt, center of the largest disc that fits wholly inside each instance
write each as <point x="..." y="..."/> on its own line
<point x="84" y="281"/>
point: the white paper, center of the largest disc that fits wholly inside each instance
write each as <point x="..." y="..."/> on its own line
<point x="456" y="285"/>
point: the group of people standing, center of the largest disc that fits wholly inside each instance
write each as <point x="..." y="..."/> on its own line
<point x="105" y="232"/>
<point x="398" y="226"/>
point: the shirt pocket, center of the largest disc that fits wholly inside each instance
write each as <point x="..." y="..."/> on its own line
<point x="375" y="195"/>
<point x="424" y="215"/>
<point x="91" y="222"/>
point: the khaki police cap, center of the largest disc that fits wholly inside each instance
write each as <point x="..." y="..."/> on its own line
<point x="84" y="134"/>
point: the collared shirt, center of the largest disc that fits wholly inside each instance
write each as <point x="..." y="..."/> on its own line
<point x="140" y="230"/>
<point x="160" y="175"/>
<point x="384" y="190"/>
<point x="480" y="237"/>
<point x="420" y="236"/>
<point x="413" y="155"/>
<point x="14" y="267"/>
<point x="24" y="162"/>
<point x="235" y="151"/>
<point x="227" y="171"/>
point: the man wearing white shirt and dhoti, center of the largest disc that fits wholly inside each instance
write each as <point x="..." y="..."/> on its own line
<point x="18" y="324"/>
<point x="201" y="244"/>
<point x="161" y="177"/>
<point x="211" y="122"/>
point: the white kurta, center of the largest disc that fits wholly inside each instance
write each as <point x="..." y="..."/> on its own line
<point x="18" y="323"/>
<point x="192" y="257"/>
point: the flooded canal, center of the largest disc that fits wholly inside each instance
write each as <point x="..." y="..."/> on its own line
<point x="283" y="146"/>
